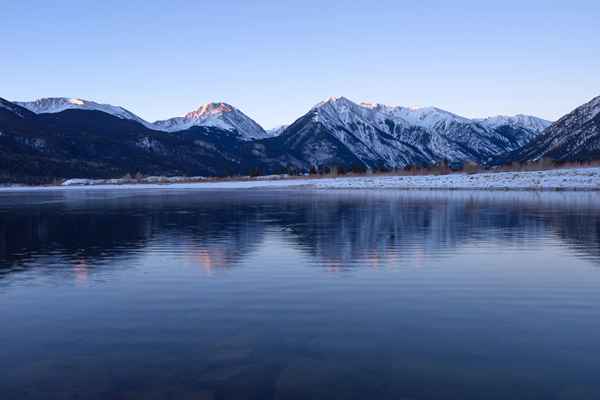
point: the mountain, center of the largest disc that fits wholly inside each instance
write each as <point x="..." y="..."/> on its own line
<point x="574" y="137"/>
<point x="277" y="130"/>
<point x="74" y="138"/>
<point x="53" y="105"/>
<point x="11" y="110"/>
<point x="340" y="132"/>
<point x="519" y="129"/>
<point x="520" y="121"/>
<point x="77" y="142"/>
<point x="217" y="115"/>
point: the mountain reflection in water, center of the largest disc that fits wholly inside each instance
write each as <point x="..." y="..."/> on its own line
<point x="299" y="294"/>
<point x="342" y="229"/>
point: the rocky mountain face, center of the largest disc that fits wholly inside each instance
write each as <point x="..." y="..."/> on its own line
<point x="216" y="115"/>
<point x="52" y="105"/>
<point x="70" y="138"/>
<point x="574" y="137"/>
<point x="278" y="130"/>
<point x="90" y="143"/>
<point x="340" y="132"/>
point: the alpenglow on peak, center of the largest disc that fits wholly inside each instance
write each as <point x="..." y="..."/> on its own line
<point x="217" y="115"/>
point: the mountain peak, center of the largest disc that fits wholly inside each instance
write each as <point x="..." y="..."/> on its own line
<point x="55" y="104"/>
<point x="213" y="108"/>
<point x="58" y="104"/>
<point x="336" y="109"/>
<point x="216" y="115"/>
<point x="335" y="101"/>
<point x="532" y="123"/>
<point x="575" y="136"/>
<point x="51" y="105"/>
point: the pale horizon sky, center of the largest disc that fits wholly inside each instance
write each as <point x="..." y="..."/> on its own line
<point x="274" y="59"/>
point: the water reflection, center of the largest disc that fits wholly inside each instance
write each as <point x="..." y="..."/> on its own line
<point x="340" y="229"/>
<point x="295" y="295"/>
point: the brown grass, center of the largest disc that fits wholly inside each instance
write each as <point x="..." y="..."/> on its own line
<point x="333" y="172"/>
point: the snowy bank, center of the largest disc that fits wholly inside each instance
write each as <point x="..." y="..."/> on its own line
<point x="125" y="181"/>
<point x="557" y="179"/>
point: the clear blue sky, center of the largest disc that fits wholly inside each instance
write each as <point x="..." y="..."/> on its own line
<point x="275" y="59"/>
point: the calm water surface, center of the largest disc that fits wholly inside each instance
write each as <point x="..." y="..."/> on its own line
<point x="299" y="295"/>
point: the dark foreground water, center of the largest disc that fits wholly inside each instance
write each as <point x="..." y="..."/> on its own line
<point x="299" y="295"/>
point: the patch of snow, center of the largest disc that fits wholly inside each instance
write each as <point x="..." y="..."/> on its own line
<point x="78" y="182"/>
<point x="217" y="115"/>
<point x="125" y="181"/>
<point x="523" y="121"/>
<point x="398" y="136"/>
<point x="571" y="136"/>
<point x="558" y="179"/>
<point x="563" y="179"/>
<point x="278" y="130"/>
<point x="53" y="105"/>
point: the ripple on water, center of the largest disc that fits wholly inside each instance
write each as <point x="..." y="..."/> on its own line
<point x="312" y="294"/>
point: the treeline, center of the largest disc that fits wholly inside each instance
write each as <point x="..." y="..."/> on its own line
<point x="444" y="167"/>
<point x="441" y="168"/>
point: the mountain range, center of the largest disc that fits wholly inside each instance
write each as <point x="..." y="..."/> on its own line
<point x="338" y="131"/>
<point x="71" y="137"/>
<point x="574" y="137"/>
<point x="217" y="115"/>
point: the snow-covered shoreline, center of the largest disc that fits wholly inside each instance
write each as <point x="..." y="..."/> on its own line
<point x="557" y="179"/>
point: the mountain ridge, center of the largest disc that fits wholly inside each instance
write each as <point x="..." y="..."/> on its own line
<point x="391" y="137"/>
<point x="219" y="115"/>
<point x="574" y="137"/>
<point x="208" y="114"/>
<point x="82" y="139"/>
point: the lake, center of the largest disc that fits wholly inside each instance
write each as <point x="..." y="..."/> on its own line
<point x="290" y="294"/>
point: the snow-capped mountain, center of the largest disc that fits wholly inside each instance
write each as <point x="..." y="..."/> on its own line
<point x="278" y="130"/>
<point x="574" y="137"/>
<point x="520" y="129"/>
<point x="90" y="144"/>
<point x="217" y="115"/>
<point x="522" y="121"/>
<point x="426" y="117"/>
<point x="379" y="135"/>
<point x="38" y="139"/>
<point x="53" y="105"/>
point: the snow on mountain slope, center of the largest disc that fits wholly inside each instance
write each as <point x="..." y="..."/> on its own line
<point x="218" y="115"/>
<point x="338" y="130"/>
<point x="52" y="105"/>
<point x="426" y="117"/>
<point x="380" y="135"/>
<point x="574" y="137"/>
<point x="277" y="130"/>
<point x="519" y="120"/>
